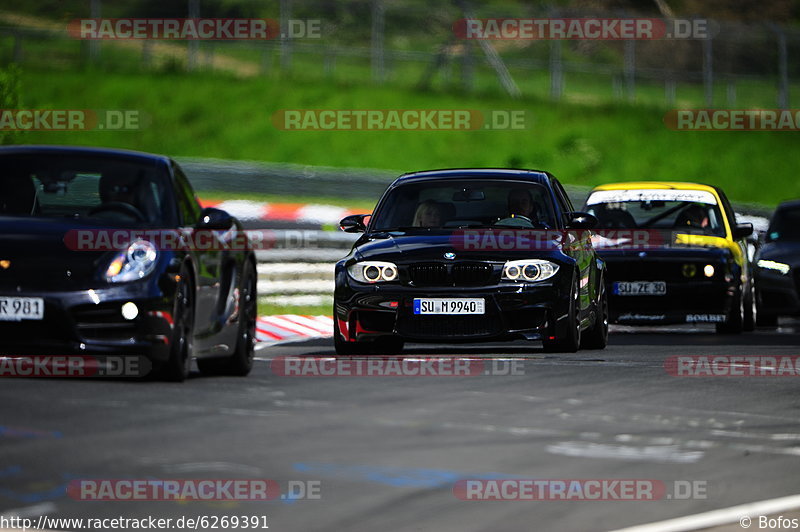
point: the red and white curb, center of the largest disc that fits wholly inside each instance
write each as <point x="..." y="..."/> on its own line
<point x="285" y="212"/>
<point x="292" y="327"/>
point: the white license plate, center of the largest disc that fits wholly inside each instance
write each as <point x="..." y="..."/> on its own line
<point x="449" y="306"/>
<point x="640" y="288"/>
<point x="21" y="308"/>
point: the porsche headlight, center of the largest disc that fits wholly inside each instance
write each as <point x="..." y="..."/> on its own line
<point x="529" y="270"/>
<point x="133" y="263"/>
<point x="373" y="271"/>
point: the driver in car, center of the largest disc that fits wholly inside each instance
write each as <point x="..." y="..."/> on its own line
<point x="520" y="203"/>
<point x="693" y="216"/>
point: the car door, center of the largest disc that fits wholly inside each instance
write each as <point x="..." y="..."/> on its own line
<point x="207" y="259"/>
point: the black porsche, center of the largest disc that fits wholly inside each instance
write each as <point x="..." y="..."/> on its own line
<point x="107" y="252"/>
<point x="777" y="270"/>
<point x="465" y="255"/>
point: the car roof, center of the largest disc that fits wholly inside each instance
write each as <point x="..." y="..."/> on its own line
<point x="791" y="204"/>
<point x="84" y="151"/>
<point x="536" y="176"/>
<point x="674" y="185"/>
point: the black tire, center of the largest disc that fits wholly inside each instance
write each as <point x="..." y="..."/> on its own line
<point x="178" y="366"/>
<point x="240" y="363"/>
<point x="597" y="336"/>
<point x="734" y="323"/>
<point x="342" y="347"/>
<point x="750" y="308"/>
<point x="571" y="341"/>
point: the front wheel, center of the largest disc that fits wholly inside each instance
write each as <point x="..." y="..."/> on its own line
<point x="571" y="340"/>
<point x="734" y="322"/>
<point x="179" y="364"/>
<point x="597" y="336"/>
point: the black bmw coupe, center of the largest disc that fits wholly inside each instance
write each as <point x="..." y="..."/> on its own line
<point x="470" y="255"/>
<point x="107" y="252"/>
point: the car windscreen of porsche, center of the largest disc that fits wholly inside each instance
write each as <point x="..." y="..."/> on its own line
<point x="102" y="190"/>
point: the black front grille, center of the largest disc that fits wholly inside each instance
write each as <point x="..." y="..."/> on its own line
<point x="471" y="274"/>
<point x="428" y="274"/>
<point x="427" y="326"/>
<point x="461" y="274"/>
<point x="660" y="270"/>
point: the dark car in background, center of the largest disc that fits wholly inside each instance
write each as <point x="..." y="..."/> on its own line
<point x="778" y="265"/>
<point x="675" y="254"/>
<point x="467" y="255"/>
<point x="107" y="252"/>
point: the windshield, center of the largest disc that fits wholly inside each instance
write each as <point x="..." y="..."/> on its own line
<point x="689" y="211"/>
<point x="464" y="203"/>
<point x="98" y="188"/>
<point x="785" y="225"/>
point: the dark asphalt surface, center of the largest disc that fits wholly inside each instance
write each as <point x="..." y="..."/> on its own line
<point x="387" y="451"/>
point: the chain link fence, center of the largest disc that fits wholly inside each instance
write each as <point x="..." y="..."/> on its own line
<point x="412" y="43"/>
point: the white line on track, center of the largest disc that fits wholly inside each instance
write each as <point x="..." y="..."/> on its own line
<point x="719" y="517"/>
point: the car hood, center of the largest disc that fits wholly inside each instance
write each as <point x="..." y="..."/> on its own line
<point x="786" y="252"/>
<point x="34" y="256"/>
<point x="666" y="244"/>
<point x="414" y="248"/>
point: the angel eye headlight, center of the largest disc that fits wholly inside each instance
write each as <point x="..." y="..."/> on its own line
<point x="133" y="263"/>
<point x="373" y="271"/>
<point x="531" y="270"/>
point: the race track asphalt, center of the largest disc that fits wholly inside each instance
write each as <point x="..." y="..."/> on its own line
<point x="386" y="452"/>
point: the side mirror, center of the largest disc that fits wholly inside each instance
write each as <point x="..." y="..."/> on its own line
<point x="581" y="220"/>
<point x="742" y="231"/>
<point x="214" y="219"/>
<point x="353" y="223"/>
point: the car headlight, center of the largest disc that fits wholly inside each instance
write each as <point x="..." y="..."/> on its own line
<point x="528" y="270"/>
<point x="373" y="271"/>
<point x="133" y="263"/>
<point x="772" y="265"/>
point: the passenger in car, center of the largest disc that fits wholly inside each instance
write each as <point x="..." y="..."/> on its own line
<point x="428" y="214"/>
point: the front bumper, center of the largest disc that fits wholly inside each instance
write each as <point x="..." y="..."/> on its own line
<point x="684" y="302"/>
<point x="89" y="322"/>
<point x="512" y="311"/>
